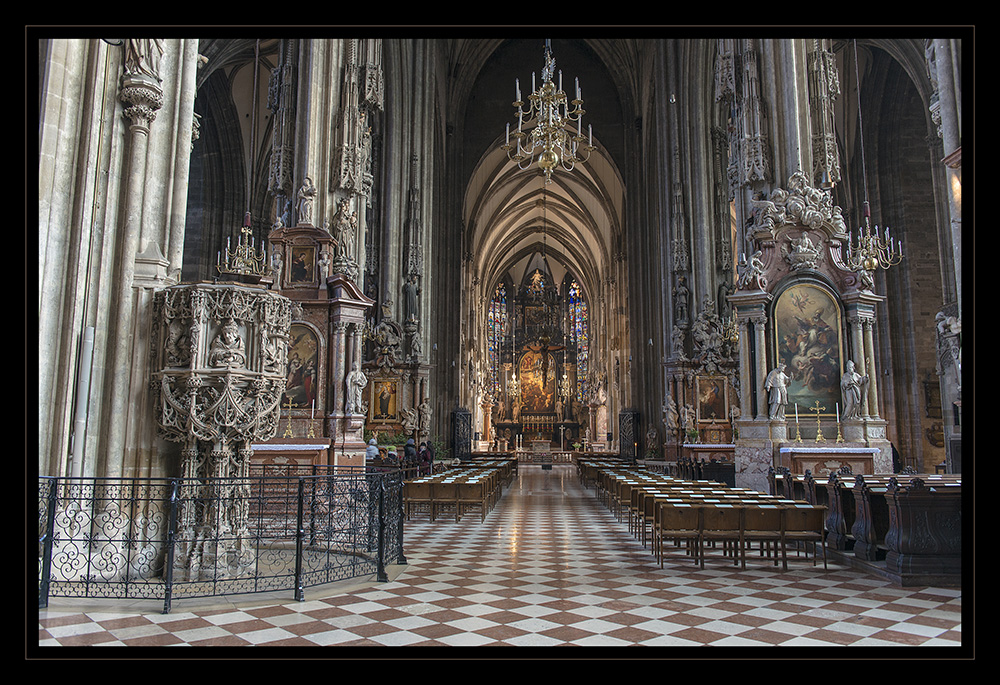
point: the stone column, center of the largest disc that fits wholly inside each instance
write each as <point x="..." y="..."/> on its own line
<point x="142" y="97"/>
<point x="338" y="367"/>
<point x="871" y="402"/>
<point x="760" y="354"/>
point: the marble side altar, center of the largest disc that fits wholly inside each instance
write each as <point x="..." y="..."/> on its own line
<point x="824" y="460"/>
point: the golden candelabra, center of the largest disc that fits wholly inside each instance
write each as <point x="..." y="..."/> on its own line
<point x="245" y="259"/>
<point x="288" y="426"/>
<point x="551" y="143"/>
<point x="869" y="250"/>
<point x="731" y="329"/>
<point x="819" y="427"/>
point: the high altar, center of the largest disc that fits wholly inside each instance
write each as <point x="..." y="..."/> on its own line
<point x="808" y="382"/>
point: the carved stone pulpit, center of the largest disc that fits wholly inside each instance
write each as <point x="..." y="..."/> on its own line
<point x="220" y="350"/>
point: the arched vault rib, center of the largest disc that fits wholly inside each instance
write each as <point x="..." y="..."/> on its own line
<point x="506" y="208"/>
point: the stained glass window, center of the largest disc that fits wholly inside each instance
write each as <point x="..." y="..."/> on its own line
<point x="578" y="334"/>
<point x="496" y="326"/>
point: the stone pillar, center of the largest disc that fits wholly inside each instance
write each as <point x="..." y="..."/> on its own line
<point x="760" y="368"/>
<point x="754" y="452"/>
<point x="871" y="404"/>
<point x="142" y="97"/>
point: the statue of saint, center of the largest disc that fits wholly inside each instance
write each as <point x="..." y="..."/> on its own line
<point x="307" y="193"/>
<point x="410" y="294"/>
<point x="776" y="385"/>
<point x="356" y="382"/>
<point x="852" y="384"/>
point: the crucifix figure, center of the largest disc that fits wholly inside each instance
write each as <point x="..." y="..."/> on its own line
<point x="819" y="431"/>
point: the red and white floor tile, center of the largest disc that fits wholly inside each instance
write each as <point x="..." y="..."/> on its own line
<point x="550" y="566"/>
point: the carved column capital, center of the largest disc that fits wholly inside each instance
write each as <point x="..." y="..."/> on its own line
<point x="142" y="97"/>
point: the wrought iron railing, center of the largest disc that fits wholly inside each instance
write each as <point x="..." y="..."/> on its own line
<point x="170" y="538"/>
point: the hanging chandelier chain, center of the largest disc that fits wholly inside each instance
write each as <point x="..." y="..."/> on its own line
<point x="867" y="250"/>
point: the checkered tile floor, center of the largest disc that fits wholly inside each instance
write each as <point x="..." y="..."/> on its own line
<point x="550" y="566"/>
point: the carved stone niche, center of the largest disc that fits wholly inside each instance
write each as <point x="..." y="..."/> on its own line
<point x="219" y="354"/>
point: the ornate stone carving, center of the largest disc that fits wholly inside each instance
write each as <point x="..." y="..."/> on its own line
<point x="216" y="399"/>
<point x="142" y="56"/>
<point x="801" y="252"/>
<point x="799" y="204"/>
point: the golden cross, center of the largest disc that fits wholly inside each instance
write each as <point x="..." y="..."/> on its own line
<point x="819" y="430"/>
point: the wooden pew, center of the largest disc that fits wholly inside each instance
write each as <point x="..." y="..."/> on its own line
<point x="924" y="540"/>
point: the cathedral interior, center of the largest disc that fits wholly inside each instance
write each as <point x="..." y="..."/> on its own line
<point x="638" y="244"/>
<point x="607" y="287"/>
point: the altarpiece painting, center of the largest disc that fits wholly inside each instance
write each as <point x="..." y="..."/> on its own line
<point x="302" y="374"/>
<point x="383" y="403"/>
<point x="809" y="340"/>
<point x="538" y="384"/>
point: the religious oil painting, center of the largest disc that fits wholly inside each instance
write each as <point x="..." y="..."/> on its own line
<point x="302" y="264"/>
<point x="808" y="338"/>
<point x="538" y="382"/>
<point x="302" y="375"/>
<point x="382" y="406"/>
<point x="712" y="399"/>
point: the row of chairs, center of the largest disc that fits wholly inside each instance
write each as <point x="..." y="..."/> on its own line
<point x="775" y="528"/>
<point x="703" y="515"/>
<point x="479" y="491"/>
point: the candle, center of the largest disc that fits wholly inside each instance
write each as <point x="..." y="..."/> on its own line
<point x="838" y="412"/>
<point x="313" y="415"/>
<point x="796" y="412"/>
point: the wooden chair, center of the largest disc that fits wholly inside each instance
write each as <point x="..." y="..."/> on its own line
<point x="473" y="496"/>
<point x="762" y="524"/>
<point x="444" y="496"/>
<point x="679" y="522"/>
<point x="417" y="495"/>
<point x="804" y="527"/>
<point x="722" y="523"/>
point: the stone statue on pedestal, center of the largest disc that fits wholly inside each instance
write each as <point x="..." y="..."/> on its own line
<point x="356" y="382"/>
<point x="852" y="384"/>
<point x="776" y="385"/>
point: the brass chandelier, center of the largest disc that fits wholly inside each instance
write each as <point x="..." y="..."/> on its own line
<point x="868" y="249"/>
<point x="551" y="143"/>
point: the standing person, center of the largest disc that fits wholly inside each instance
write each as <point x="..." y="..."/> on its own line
<point x="425" y="459"/>
<point x="409" y="454"/>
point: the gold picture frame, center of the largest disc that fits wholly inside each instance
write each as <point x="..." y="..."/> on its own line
<point x="383" y="400"/>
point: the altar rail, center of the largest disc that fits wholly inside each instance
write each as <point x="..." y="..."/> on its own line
<point x="122" y="538"/>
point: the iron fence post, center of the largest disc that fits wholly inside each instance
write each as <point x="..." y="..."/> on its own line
<point x="380" y="553"/>
<point x="168" y="570"/>
<point x="398" y="513"/>
<point x="299" y="537"/>
<point x="50" y="525"/>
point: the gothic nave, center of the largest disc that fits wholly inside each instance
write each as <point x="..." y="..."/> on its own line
<point x="639" y="243"/>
